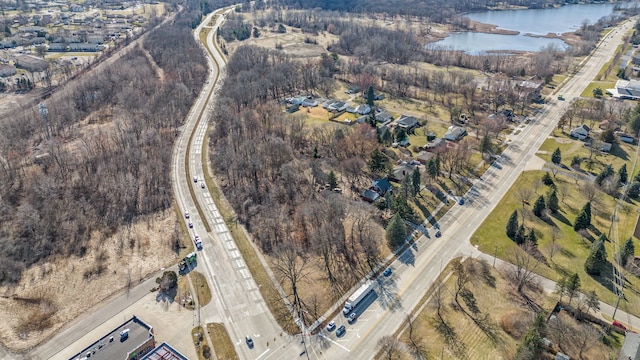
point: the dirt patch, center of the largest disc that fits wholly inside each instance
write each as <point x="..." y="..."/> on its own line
<point x="489" y="28"/>
<point x="53" y="293"/>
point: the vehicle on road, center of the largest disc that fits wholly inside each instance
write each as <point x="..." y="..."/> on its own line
<point x="461" y="201"/>
<point x="357" y="297"/>
<point x="190" y="225"/>
<point x="341" y="330"/>
<point x="387" y="271"/>
<point x="619" y="325"/>
<point x="331" y="326"/>
<point x="197" y="242"/>
<point x="249" y="341"/>
<point x="202" y="185"/>
<point x="124" y="334"/>
<point x="438" y="234"/>
<point x="560" y="97"/>
<point x="195" y="179"/>
<point x="352" y="318"/>
<point x="186" y="214"/>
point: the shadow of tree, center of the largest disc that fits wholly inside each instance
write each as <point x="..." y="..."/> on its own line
<point x="558" y="216"/>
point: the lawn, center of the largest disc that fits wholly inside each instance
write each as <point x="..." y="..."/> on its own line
<point x="505" y="312"/>
<point x="571" y="249"/>
<point x="222" y="344"/>
<point x="200" y="285"/>
<point x="621" y="153"/>
<point x="604" y="85"/>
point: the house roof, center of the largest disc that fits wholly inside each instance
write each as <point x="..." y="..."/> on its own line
<point x="400" y="171"/>
<point x="383" y="117"/>
<point x="424" y="156"/>
<point x="407" y="122"/>
<point x="370" y="195"/>
<point x="455" y="132"/>
<point x="382" y="184"/>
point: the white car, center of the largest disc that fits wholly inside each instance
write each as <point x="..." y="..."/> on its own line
<point x="202" y="185"/>
<point x="195" y="179"/>
<point x="331" y="326"/>
<point x="352" y="317"/>
<point x="186" y="214"/>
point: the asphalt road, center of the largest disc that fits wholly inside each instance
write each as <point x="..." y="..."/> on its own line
<point x="417" y="268"/>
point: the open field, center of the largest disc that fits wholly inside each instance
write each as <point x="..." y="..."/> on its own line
<point x="507" y="316"/>
<point x="570" y="249"/>
<point x="222" y="344"/>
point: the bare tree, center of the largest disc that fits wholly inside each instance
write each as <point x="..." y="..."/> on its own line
<point x="523" y="274"/>
<point x="291" y="270"/>
<point x="389" y="348"/>
<point x="418" y="349"/>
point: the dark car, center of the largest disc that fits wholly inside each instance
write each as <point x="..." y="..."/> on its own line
<point x="190" y="225"/>
<point x="249" y="341"/>
<point x="438" y="234"/>
<point x="352" y="318"/>
<point x="461" y="201"/>
<point x="341" y="330"/>
<point x="387" y="271"/>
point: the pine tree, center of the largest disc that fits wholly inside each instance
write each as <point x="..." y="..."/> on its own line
<point x="512" y="225"/>
<point x="628" y="250"/>
<point x="556" y="157"/>
<point x="396" y="232"/>
<point x="532" y="345"/>
<point x="546" y="179"/>
<point x="378" y="163"/>
<point x="597" y="258"/>
<point x="572" y="286"/>
<point x="370" y="96"/>
<point x="623" y="176"/>
<point x="532" y="238"/>
<point x="539" y="206"/>
<point x="433" y="167"/>
<point x="584" y="218"/>
<point x="605" y="173"/>
<point x="333" y="182"/>
<point x="416" y="180"/>
<point x="521" y="234"/>
<point x="552" y="201"/>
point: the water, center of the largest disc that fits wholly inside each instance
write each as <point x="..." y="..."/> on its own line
<point x="529" y="21"/>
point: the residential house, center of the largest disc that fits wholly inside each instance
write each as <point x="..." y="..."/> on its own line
<point x="7" y="70"/>
<point x="531" y="89"/>
<point x="407" y="122"/>
<point x="353" y="90"/>
<point x="379" y="96"/>
<point x="31" y="63"/>
<point x="455" y="133"/>
<point x="435" y="144"/>
<point x="424" y="156"/>
<point x="404" y="143"/>
<point x="401" y="171"/>
<point x="352" y="109"/>
<point x="291" y="108"/>
<point x="85" y="47"/>
<point x="580" y="132"/>
<point x="309" y="103"/>
<point x="383" y="117"/>
<point x="362" y="119"/>
<point x="338" y="106"/>
<point x="327" y="103"/>
<point x="363" y="109"/>
<point x="58" y="47"/>
<point x="630" y="347"/>
<point x="377" y="189"/>
<point x="605" y="146"/>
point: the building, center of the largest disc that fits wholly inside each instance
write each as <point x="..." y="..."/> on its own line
<point x="401" y="171"/>
<point x="455" y="133"/>
<point x="407" y="122"/>
<point x="626" y="89"/>
<point x="7" y="70"/>
<point x="581" y="132"/>
<point x="164" y="351"/>
<point x="138" y="341"/>
<point x="31" y="63"/>
<point x="383" y="117"/>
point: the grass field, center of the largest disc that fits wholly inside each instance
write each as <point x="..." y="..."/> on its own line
<point x="571" y="248"/>
<point x="604" y="85"/>
<point x="506" y="314"/>
<point x="200" y="285"/>
<point x="222" y="344"/>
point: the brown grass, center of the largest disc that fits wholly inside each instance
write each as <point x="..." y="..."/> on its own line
<point x="222" y="344"/>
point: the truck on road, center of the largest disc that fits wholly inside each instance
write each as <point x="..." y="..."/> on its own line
<point x="357" y="297"/>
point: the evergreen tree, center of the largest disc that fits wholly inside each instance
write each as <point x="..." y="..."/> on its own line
<point x="572" y="286"/>
<point x="634" y="190"/>
<point x="378" y="163"/>
<point x="552" y="201"/>
<point x="433" y="167"/>
<point x="539" y="206"/>
<point x="584" y="218"/>
<point x="333" y="181"/>
<point x="556" y="157"/>
<point x="561" y="287"/>
<point x="532" y="346"/>
<point x="546" y="179"/>
<point x="370" y="96"/>
<point x="521" y="234"/>
<point x="416" y="180"/>
<point x="386" y="137"/>
<point x="605" y="173"/>
<point x="396" y="232"/>
<point x="622" y="174"/>
<point x="597" y="259"/>
<point x="532" y="238"/>
<point x="401" y="207"/>
<point x="512" y="225"/>
<point x="628" y="250"/>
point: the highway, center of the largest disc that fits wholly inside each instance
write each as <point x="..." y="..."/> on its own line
<point x="237" y="301"/>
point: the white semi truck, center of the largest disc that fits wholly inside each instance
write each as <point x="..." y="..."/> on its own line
<point x="357" y="297"/>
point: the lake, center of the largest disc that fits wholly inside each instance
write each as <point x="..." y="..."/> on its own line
<point x="567" y="18"/>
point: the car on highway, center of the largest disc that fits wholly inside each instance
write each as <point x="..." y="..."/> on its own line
<point x="341" y="330"/>
<point x="202" y="185"/>
<point x="331" y="326"/>
<point x="352" y="318"/>
<point x="387" y="271"/>
<point x="461" y="201"/>
<point x="190" y="225"/>
<point x="560" y="97"/>
<point x="249" y="341"/>
<point x="186" y="214"/>
<point x="438" y="234"/>
<point x="195" y="179"/>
